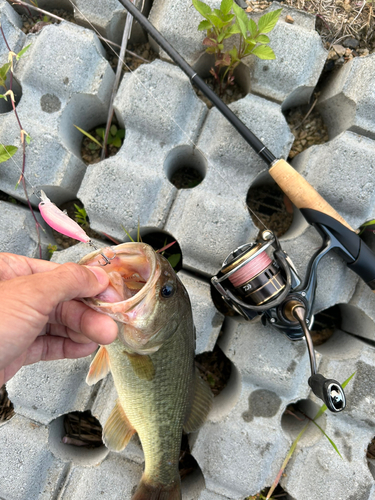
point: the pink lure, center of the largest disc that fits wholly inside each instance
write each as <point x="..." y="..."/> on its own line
<point x="59" y="221"/>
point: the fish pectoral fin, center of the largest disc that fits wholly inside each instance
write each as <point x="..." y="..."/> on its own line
<point x="99" y="367"/>
<point x="200" y="405"/>
<point x="117" y="430"/>
<point x="142" y="365"/>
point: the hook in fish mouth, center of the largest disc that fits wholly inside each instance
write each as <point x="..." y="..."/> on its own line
<point x="133" y="271"/>
<point x="107" y="260"/>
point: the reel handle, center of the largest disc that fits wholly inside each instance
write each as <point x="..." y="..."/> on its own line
<point x="329" y="391"/>
<point x="300" y="192"/>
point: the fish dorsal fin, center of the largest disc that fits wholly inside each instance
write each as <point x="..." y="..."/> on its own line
<point x="117" y="430"/>
<point x="200" y="406"/>
<point x="99" y="367"/>
<point x="142" y="365"/>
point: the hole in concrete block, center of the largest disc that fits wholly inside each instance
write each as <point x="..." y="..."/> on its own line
<point x="294" y="419"/>
<point x="87" y="113"/>
<point x="142" y="49"/>
<point x="185" y="167"/>
<point x="77" y="212"/>
<point x="6" y="105"/>
<point x="328" y="337"/>
<point x="6" y="406"/>
<point x="192" y="480"/>
<point x="370" y="455"/>
<point x="159" y="239"/>
<point x="215" y="368"/>
<point x="91" y="150"/>
<point x="77" y="437"/>
<point x="269" y="205"/>
<point x="227" y="92"/>
<point x="224" y="380"/>
<point x="307" y="126"/>
<point x="279" y="494"/>
<point x="32" y="18"/>
<point x="325" y="323"/>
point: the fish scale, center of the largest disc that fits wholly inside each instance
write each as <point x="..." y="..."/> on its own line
<point x="151" y="405"/>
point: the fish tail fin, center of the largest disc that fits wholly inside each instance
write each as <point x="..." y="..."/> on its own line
<point x="149" y="491"/>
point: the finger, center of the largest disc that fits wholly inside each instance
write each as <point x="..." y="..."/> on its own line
<point x="78" y="317"/>
<point x="12" y="266"/>
<point x="9" y="371"/>
<point x="48" y="348"/>
<point x="42" y="292"/>
<point x="68" y="333"/>
<point x="70" y="281"/>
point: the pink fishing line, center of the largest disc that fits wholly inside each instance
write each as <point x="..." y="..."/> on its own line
<point x="59" y="221"/>
<point x="251" y="269"/>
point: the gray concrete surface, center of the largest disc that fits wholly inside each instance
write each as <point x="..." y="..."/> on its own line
<point x="241" y="447"/>
<point x="348" y="98"/>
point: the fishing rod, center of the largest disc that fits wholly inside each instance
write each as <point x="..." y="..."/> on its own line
<point x="254" y="283"/>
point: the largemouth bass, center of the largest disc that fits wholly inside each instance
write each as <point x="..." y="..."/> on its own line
<point x="160" y="393"/>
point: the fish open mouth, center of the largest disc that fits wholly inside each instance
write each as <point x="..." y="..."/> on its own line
<point x="133" y="272"/>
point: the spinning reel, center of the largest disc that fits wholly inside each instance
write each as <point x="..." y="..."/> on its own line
<point x="260" y="279"/>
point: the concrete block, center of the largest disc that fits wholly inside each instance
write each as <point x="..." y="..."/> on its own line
<point x="320" y="471"/>
<point x="11" y="24"/>
<point x="132" y="187"/>
<point x="212" y="219"/>
<point x="108" y="18"/>
<point x="290" y="79"/>
<point x="341" y="170"/>
<point x="18" y="231"/>
<point x="358" y="315"/>
<point x="46" y="390"/>
<point x="178" y="23"/>
<point x="64" y="98"/>
<point x="243" y="435"/>
<point x="207" y="320"/>
<point x="343" y="355"/>
<point x="28" y="468"/>
<point x="348" y="98"/>
<point x="116" y="478"/>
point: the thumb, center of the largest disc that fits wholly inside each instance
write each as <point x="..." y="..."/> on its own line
<point x="70" y="281"/>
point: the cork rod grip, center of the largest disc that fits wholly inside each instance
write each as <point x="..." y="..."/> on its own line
<point x="300" y="192"/>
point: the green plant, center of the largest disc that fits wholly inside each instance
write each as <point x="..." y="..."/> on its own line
<point x="115" y="137"/>
<point x="80" y="215"/>
<point x="51" y="249"/>
<point x="222" y="24"/>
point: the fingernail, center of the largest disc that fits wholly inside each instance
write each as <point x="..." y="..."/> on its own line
<point x="100" y="274"/>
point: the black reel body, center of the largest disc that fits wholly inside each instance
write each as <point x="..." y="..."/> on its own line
<point x="260" y="279"/>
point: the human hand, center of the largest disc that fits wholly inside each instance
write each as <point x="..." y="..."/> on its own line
<point x="39" y="316"/>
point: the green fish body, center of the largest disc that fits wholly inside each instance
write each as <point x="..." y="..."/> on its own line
<point x="160" y="393"/>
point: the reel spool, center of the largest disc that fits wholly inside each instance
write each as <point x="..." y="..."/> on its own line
<point x="250" y="281"/>
<point x="253" y="274"/>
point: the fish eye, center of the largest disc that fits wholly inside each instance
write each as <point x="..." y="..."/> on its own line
<point x="167" y="290"/>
